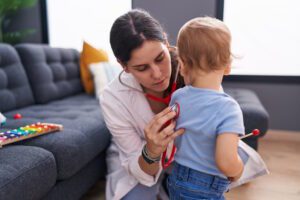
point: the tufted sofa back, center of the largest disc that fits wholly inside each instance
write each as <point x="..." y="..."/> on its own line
<point x="53" y="73"/>
<point x="15" y="91"/>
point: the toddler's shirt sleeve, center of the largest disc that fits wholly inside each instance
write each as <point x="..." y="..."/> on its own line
<point x="230" y="118"/>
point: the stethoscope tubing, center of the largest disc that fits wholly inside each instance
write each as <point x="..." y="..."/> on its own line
<point x="166" y="100"/>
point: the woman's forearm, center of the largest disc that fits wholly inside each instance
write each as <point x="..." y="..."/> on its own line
<point x="150" y="169"/>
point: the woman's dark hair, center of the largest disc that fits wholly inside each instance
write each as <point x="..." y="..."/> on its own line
<point x="130" y="30"/>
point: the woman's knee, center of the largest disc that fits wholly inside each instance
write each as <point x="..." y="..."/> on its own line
<point x="142" y="192"/>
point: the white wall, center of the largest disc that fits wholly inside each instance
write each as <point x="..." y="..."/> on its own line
<point x="266" y="36"/>
<point x="72" y="21"/>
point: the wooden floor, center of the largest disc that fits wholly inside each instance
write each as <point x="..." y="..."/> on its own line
<point x="281" y="152"/>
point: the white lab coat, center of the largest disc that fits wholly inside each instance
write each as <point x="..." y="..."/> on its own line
<point x="126" y="113"/>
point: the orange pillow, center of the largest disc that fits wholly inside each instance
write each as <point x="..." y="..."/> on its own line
<point x="90" y="55"/>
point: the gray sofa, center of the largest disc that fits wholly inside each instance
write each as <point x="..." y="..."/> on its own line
<point x="254" y="114"/>
<point x="43" y="85"/>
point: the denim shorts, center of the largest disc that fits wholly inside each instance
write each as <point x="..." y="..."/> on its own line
<point x="189" y="184"/>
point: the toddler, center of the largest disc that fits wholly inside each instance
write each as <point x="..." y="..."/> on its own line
<point x="207" y="157"/>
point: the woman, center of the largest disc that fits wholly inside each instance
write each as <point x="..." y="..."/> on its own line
<point x="135" y="110"/>
<point x="135" y="120"/>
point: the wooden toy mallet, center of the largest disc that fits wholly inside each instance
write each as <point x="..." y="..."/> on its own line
<point x="255" y="132"/>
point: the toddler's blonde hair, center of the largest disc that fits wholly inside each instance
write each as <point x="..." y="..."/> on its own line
<point x="204" y="42"/>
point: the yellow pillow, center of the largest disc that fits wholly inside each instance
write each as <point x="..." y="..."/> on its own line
<point x="90" y="55"/>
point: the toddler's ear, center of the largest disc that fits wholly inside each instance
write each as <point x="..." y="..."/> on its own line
<point x="182" y="68"/>
<point x="227" y="70"/>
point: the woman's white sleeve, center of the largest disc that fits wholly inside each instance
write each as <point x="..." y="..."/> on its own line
<point x="120" y="124"/>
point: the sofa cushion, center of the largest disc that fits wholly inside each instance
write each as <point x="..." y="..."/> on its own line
<point x="90" y="55"/>
<point x="255" y="115"/>
<point x="52" y="72"/>
<point x="81" y="182"/>
<point x="15" y="91"/>
<point x="26" y="172"/>
<point x="83" y="138"/>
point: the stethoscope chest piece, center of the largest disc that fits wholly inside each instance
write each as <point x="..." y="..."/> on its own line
<point x="167" y="162"/>
<point x="176" y="107"/>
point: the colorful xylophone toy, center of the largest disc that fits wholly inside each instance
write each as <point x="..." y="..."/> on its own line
<point x="28" y="131"/>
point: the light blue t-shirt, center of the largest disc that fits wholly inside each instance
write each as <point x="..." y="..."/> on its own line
<point x="204" y="114"/>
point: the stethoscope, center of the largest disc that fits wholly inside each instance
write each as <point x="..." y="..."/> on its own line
<point x="166" y="162"/>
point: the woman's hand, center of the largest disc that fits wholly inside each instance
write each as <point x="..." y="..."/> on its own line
<point x="159" y="133"/>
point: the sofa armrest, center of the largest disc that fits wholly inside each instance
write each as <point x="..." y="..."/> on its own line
<point x="254" y="113"/>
